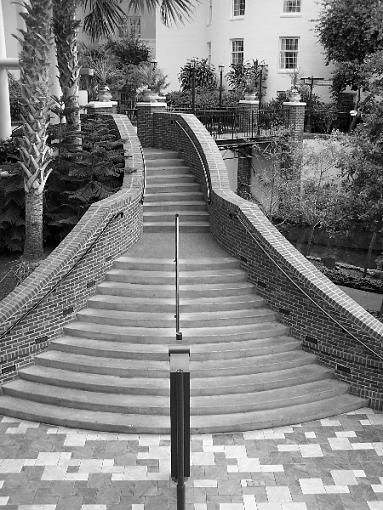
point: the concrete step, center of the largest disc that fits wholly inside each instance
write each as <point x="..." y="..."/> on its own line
<point x="185" y="226"/>
<point x="151" y="154"/>
<point x="179" y="196"/>
<point x="203" y="290"/>
<point x="234" y="384"/>
<point x="157" y="368"/>
<point x="211" y="276"/>
<point x="164" y="178"/>
<point x="173" y="187"/>
<point x="167" y="305"/>
<point x="167" y="264"/>
<point x="175" y="206"/>
<point x="168" y="217"/>
<point x="187" y="320"/>
<point x="164" y="162"/>
<point x="129" y="350"/>
<point x="158" y="404"/>
<point x="119" y="422"/>
<point x="177" y="169"/>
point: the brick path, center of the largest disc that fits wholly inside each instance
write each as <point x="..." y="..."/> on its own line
<point x="334" y="463"/>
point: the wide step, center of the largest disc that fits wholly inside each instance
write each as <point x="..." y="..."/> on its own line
<point x="118" y="422"/>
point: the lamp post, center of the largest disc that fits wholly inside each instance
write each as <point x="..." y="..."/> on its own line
<point x="221" y="68"/>
<point x="154" y="63"/>
<point x="193" y="85"/>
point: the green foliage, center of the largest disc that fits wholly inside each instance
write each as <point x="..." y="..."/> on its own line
<point x="11" y="198"/>
<point x="150" y="77"/>
<point x="203" y="72"/>
<point x="350" y="30"/>
<point x="130" y="50"/>
<point x="83" y="177"/>
<point x="171" y="11"/>
<point x="15" y="97"/>
<point x="246" y="77"/>
<point x="103" y="17"/>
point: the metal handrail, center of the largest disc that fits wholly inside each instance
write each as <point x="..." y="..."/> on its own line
<point x="33" y="307"/>
<point x="372" y="351"/>
<point x="206" y="174"/>
<point x="144" y="168"/>
<point x="177" y="267"/>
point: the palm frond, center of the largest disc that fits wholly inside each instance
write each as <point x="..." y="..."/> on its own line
<point x="172" y="11"/>
<point x="103" y="17"/>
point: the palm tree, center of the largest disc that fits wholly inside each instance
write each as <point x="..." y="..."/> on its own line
<point x="34" y="153"/>
<point x="102" y="18"/>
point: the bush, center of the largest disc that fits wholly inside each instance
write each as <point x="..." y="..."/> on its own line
<point x="208" y="99"/>
<point x="204" y="75"/>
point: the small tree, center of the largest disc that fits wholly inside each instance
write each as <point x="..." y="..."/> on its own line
<point x="349" y="31"/>
<point x="201" y="71"/>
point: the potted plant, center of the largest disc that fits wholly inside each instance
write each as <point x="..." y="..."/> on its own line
<point x="153" y="82"/>
<point x="294" y="94"/>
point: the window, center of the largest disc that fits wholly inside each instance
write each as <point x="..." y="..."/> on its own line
<point x="291" y="5"/>
<point x="238" y="8"/>
<point x="237" y="51"/>
<point x="289" y="53"/>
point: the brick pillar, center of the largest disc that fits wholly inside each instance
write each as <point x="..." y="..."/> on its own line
<point x="101" y="107"/>
<point x="244" y="173"/>
<point x="248" y="110"/>
<point x="145" y="113"/>
<point x="295" y="118"/>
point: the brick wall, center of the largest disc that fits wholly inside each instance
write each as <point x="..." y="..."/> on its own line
<point x="301" y="294"/>
<point x="106" y="230"/>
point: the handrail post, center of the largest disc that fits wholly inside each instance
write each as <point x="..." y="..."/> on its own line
<point x="180" y="419"/>
<point x="176" y="260"/>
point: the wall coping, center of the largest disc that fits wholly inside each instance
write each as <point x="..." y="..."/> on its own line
<point x="293" y="103"/>
<point x="75" y="244"/>
<point x="101" y="104"/>
<point x="302" y="270"/>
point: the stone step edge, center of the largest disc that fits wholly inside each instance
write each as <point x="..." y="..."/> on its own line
<point x="238" y="422"/>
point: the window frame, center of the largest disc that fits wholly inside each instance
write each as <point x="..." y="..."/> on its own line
<point x="294" y="11"/>
<point x="282" y="53"/>
<point x="238" y="8"/>
<point x="237" y="52"/>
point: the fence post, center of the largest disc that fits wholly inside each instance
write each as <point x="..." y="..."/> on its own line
<point x="145" y="125"/>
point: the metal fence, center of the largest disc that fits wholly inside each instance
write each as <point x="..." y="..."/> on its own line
<point x="325" y="120"/>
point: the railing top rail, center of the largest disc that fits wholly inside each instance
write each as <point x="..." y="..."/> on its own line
<point x="360" y="342"/>
<point x="206" y="173"/>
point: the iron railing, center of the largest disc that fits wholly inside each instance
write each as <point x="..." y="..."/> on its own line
<point x="144" y="172"/>
<point x="177" y="269"/>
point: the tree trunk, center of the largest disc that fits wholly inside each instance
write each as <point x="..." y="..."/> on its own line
<point x="369" y="253"/>
<point x="310" y="241"/>
<point x="33" y="248"/>
<point x="65" y="28"/>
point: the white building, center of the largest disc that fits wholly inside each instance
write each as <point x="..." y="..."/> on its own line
<point x="279" y="32"/>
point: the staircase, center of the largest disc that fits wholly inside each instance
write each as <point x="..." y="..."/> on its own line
<point x="110" y="369"/>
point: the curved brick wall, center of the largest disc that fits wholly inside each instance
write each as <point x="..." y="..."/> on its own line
<point x="115" y="224"/>
<point x="234" y="221"/>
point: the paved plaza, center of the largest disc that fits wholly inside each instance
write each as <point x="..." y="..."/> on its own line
<point x="335" y="463"/>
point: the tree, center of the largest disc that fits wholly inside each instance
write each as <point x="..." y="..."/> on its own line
<point x="201" y="72"/>
<point x="34" y="152"/>
<point x="349" y="31"/>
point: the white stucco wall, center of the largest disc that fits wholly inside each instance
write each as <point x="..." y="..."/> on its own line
<point x="261" y="28"/>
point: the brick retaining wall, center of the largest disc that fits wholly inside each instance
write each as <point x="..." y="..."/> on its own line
<point x="113" y="225"/>
<point x="301" y="294"/>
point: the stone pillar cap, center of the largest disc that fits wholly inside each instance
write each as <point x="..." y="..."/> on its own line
<point x="294" y="103"/>
<point x="101" y="104"/>
<point x="249" y="101"/>
<point x="152" y="103"/>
